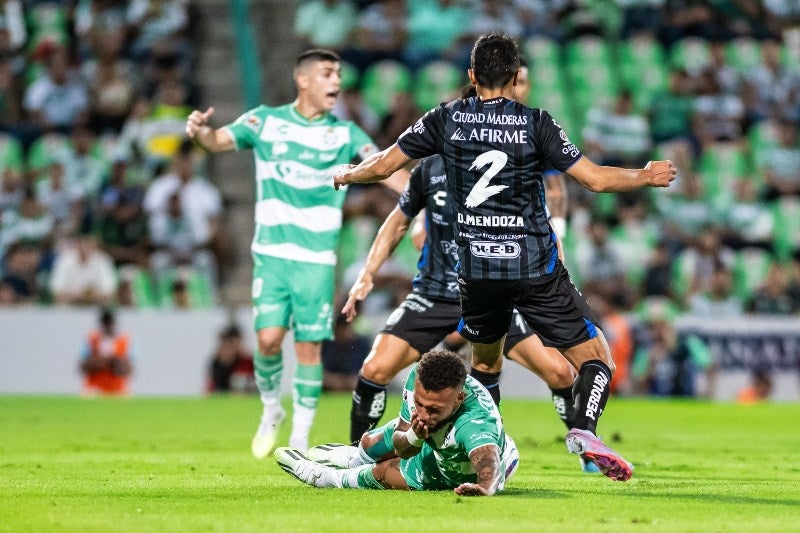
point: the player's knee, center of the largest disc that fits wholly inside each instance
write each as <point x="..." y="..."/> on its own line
<point x="562" y="375"/>
<point x="269" y="343"/>
<point x="376" y="372"/>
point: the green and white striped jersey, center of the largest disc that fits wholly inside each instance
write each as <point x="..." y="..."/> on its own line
<point x="475" y="423"/>
<point x="298" y="213"/>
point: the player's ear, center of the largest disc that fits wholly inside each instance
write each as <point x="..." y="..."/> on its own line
<point x="471" y="75"/>
<point x="515" y="79"/>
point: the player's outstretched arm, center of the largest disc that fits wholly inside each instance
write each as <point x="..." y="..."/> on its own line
<point x="389" y="236"/>
<point x="197" y="128"/>
<point x="376" y="167"/>
<point x="599" y="178"/>
<point x="408" y="439"/>
<point x="486" y="462"/>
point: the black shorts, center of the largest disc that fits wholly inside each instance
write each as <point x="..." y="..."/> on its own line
<point x="550" y="305"/>
<point x="424" y="322"/>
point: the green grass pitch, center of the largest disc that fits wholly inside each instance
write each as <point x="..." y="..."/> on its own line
<point x="164" y="464"/>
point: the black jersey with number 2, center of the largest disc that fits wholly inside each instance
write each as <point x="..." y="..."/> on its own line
<point x="494" y="152"/>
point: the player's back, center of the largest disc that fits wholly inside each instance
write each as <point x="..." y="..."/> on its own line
<point x="494" y="152"/>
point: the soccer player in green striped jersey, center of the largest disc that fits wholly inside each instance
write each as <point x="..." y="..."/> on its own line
<point x="298" y="217"/>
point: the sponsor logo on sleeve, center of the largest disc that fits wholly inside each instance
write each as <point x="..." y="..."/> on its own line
<point x="419" y="127"/>
<point x="253" y="122"/>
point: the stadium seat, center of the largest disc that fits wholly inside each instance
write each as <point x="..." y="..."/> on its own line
<point x="435" y="83"/>
<point x="10" y="153"/>
<point x="349" y="76"/>
<point x="690" y="53"/>
<point x="787" y="226"/>
<point x="381" y="81"/>
<point x="540" y="50"/>
<point x="46" y="148"/>
<point x="749" y="270"/>
<point x="201" y="293"/>
<point x="588" y="50"/>
<point x="355" y="238"/>
<point x="720" y="165"/>
<point x="743" y="53"/>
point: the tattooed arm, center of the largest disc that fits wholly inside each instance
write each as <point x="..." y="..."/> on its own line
<point x="486" y="462"/>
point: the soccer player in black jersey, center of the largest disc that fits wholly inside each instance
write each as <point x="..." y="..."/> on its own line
<point x="494" y="150"/>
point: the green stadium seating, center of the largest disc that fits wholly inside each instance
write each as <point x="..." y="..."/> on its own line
<point x="45" y="149"/>
<point x="588" y="50"/>
<point x="47" y="22"/>
<point x="787" y="226"/>
<point x="743" y="53"/>
<point x="642" y="64"/>
<point x="690" y="53"/>
<point x="10" y="153"/>
<point x="720" y="165"/>
<point x="349" y="76"/>
<point x="436" y="82"/>
<point x="201" y="293"/>
<point x="381" y="81"/>
<point x="749" y="270"/>
<point x="541" y="50"/>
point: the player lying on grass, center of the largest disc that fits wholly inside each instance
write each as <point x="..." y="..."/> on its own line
<point x="449" y="435"/>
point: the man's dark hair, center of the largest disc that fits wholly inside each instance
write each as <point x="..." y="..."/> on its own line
<point x="316" y="54"/>
<point x="441" y="369"/>
<point x="494" y="60"/>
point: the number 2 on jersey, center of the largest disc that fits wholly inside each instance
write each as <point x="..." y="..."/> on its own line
<point x="482" y="191"/>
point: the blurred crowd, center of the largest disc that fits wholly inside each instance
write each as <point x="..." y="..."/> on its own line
<point x="101" y="199"/>
<point x="103" y="202"/>
<point x="713" y="85"/>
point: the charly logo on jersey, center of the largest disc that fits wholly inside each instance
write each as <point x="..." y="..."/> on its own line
<point x="458" y="135"/>
<point x="418" y="127"/>
<point x="278" y="149"/>
<point x="494" y="250"/>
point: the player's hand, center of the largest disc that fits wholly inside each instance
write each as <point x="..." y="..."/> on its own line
<point x="470" y="489"/>
<point x="419" y="427"/>
<point x="339" y="176"/>
<point x="197" y="121"/>
<point x="661" y="173"/>
<point x="361" y="288"/>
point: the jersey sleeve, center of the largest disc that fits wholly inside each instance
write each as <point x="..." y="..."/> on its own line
<point x="555" y="146"/>
<point x="472" y="434"/>
<point x="422" y="139"/>
<point x="246" y="129"/>
<point x="360" y="144"/>
<point x="412" y="201"/>
<point x="408" y="396"/>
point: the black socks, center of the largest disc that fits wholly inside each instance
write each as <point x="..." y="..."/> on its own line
<point x="369" y="403"/>
<point x="564" y="403"/>
<point x="490" y="380"/>
<point x="591" y="391"/>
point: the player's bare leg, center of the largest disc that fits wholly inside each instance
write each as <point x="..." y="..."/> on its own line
<point x="389" y="355"/>
<point x="487" y="362"/>
<point x="552" y="368"/>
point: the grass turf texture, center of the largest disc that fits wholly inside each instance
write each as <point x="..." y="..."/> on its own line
<point x="153" y="464"/>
